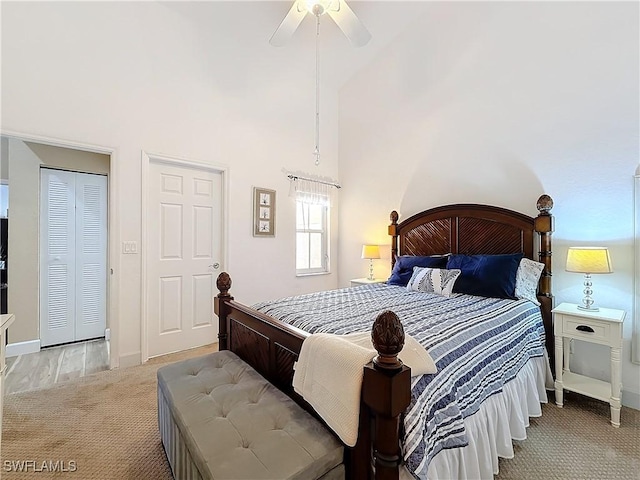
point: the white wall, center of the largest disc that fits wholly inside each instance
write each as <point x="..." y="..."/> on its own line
<point x="635" y="338"/>
<point x="498" y="103"/>
<point x="179" y="79"/>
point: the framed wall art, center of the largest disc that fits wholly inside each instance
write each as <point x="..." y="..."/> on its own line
<point x="264" y="212"/>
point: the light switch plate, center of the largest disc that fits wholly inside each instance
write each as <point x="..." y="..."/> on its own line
<point x="130" y="247"/>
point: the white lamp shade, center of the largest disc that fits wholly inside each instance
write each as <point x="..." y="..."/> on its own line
<point x="370" y="251"/>
<point x="588" y="260"/>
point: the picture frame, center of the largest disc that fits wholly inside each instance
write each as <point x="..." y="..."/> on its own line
<point x="264" y="212"/>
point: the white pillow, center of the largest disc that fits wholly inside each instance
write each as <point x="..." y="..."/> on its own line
<point x="527" y="278"/>
<point x="433" y="280"/>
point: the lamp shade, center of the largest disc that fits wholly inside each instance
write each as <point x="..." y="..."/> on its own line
<point x="588" y="260"/>
<point x="370" y="251"/>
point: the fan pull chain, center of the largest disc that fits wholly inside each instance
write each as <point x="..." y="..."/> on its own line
<point x="316" y="151"/>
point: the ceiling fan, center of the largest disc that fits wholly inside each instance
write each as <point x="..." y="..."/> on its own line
<point x="338" y="10"/>
<point x="346" y="20"/>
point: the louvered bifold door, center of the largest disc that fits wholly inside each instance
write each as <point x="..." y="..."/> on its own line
<point x="73" y="256"/>
<point x="91" y="255"/>
<point x="57" y="257"/>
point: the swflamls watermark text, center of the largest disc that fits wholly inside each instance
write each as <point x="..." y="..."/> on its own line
<point x="40" y="466"/>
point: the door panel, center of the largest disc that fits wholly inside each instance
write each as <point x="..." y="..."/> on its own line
<point x="170" y="307"/>
<point x="91" y="256"/>
<point x="202" y="232"/>
<point x="57" y="257"/>
<point x="184" y="234"/>
<point x="171" y="231"/>
<point x="202" y="300"/>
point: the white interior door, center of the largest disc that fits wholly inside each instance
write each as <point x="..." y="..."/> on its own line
<point x="73" y="256"/>
<point x="184" y="232"/>
<point x="91" y="256"/>
<point x="57" y="257"/>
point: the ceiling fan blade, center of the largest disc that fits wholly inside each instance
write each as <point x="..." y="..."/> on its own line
<point x="288" y="25"/>
<point x="350" y="25"/>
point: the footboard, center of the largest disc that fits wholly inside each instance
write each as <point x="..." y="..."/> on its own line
<point x="271" y="347"/>
<point x="268" y="345"/>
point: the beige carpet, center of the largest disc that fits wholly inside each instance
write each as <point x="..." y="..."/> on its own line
<point x="106" y="423"/>
<point x="577" y="442"/>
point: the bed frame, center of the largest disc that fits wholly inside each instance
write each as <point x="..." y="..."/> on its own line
<point x="272" y="347"/>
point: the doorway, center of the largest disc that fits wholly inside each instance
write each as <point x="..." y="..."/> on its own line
<point x="183" y="241"/>
<point x="25" y="154"/>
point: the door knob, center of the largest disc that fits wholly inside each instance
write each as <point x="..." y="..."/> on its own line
<point x="215" y="265"/>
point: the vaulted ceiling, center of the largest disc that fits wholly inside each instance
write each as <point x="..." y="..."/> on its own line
<point x="247" y="27"/>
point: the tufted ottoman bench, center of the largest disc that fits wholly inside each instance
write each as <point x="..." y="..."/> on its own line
<point x="220" y="419"/>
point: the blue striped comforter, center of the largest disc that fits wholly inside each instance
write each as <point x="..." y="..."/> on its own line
<point x="477" y="343"/>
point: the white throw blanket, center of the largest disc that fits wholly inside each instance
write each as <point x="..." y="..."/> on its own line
<point x="329" y="371"/>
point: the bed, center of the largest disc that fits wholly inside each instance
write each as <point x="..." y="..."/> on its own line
<point x="395" y="422"/>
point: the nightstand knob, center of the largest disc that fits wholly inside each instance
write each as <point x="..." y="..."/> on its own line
<point x="585" y="328"/>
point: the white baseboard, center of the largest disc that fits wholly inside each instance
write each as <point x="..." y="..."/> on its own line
<point x="22" y="348"/>
<point x="129" y="360"/>
<point x="631" y="399"/>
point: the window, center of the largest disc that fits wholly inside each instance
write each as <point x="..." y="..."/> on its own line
<point x="4" y="199"/>
<point x="312" y="238"/>
<point x="313" y="200"/>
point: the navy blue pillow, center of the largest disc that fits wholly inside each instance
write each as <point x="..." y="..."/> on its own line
<point x="486" y="275"/>
<point x="403" y="268"/>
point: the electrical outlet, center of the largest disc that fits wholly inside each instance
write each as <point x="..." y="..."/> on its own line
<point x="130" y="247"/>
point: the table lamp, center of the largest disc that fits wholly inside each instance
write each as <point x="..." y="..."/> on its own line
<point x="370" y="252"/>
<point x="588" y="260"/>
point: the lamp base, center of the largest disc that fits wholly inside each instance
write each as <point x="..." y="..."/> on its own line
<point x="587" y="301"/>
<point x="588" y="309"/>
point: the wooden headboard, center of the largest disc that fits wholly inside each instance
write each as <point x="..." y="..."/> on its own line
<point x="481" y="229"/>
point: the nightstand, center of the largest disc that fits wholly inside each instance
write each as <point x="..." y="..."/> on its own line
<point x="603" y="327"/>
<point x="366" y="281"/>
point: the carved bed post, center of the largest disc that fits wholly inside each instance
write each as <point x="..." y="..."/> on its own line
<point x="221" y="308"/>
<point x="544" y="228"/>
<point x="393" y="231"/>
<point x="386" y="390"/>
<point x="543" y="225"/>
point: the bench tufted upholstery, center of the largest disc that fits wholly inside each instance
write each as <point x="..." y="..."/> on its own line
<point x="236" y="425"/>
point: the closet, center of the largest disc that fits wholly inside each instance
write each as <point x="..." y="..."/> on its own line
<point x="73" y="256"/>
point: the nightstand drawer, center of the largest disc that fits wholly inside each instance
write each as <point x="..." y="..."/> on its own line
<point x="591" y="330"/>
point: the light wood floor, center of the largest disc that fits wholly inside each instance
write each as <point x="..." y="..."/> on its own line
<point x="56" y="364"/>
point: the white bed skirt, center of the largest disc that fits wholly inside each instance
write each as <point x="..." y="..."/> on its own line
<point x="501" y="418"/>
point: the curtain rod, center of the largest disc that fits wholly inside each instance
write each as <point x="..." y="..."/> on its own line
<point x="293" y="177"/>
